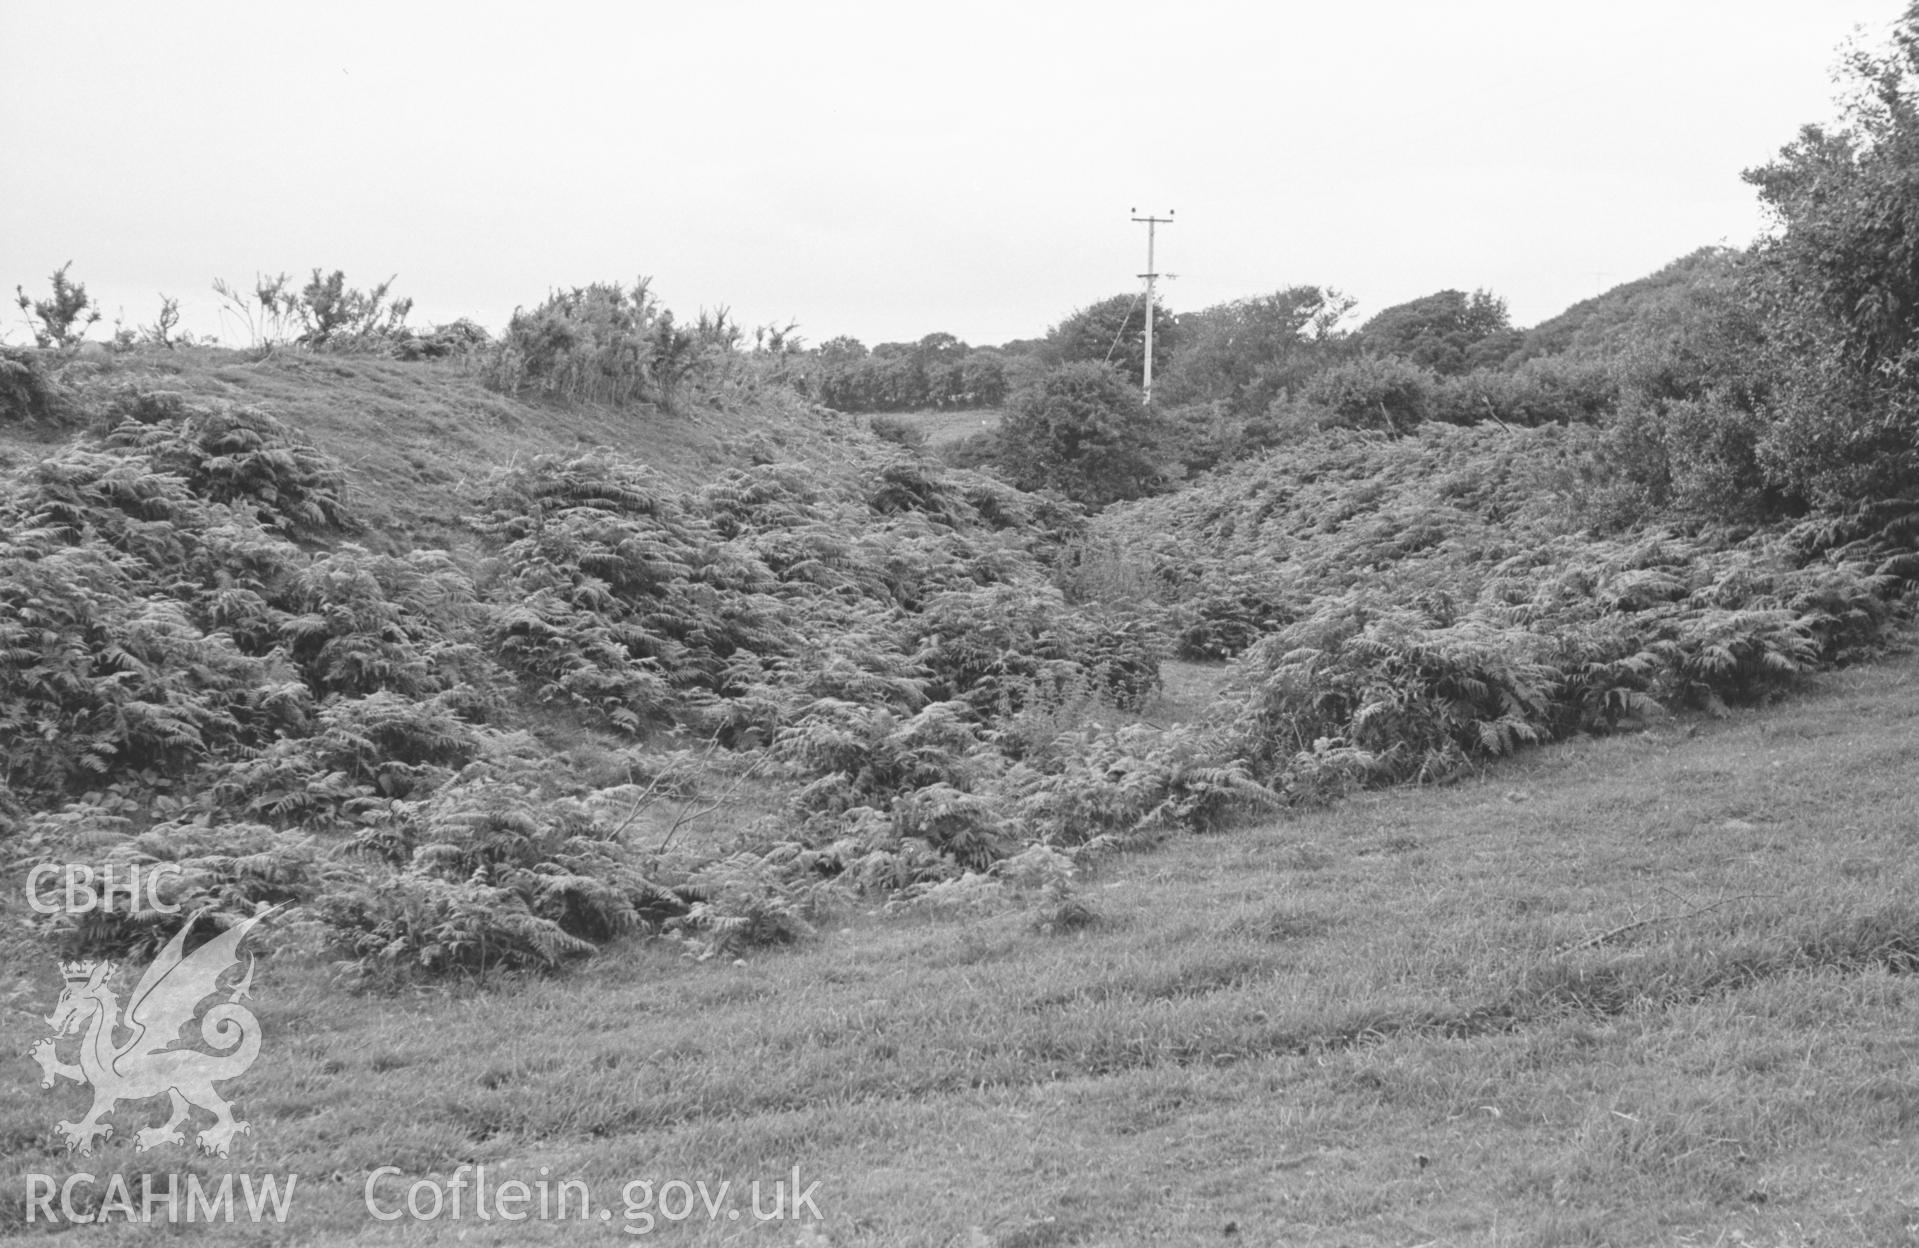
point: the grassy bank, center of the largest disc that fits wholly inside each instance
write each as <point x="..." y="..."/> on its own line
<point x="415" y="437"/>
<point x="1646" y="989"/>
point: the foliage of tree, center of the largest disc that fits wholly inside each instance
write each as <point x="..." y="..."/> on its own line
<point x="1604" y="325"/>
<point x="1542" y="391"/>
<point x="1081" y="429"/>
<point x="1448" y="332"/>
<point x="1390" y="394"/>
<point x="938" y="371"/>
<point x="1841" y="269"/>
<point x="1246" y="352"/>
<point x="984" y="377"/>
<point x="842" y="350"/>
<point x="1693" y="383"/>
<point x="1114" y="331"/>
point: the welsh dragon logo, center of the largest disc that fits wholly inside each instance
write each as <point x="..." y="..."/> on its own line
<point x="146" y="1064"/>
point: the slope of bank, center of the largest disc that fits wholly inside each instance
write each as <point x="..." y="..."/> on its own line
<point x="1654" y="988"/>
<point x="413" y="436"/>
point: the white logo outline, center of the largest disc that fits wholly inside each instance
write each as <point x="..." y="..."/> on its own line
<point x="147" y="1064"/>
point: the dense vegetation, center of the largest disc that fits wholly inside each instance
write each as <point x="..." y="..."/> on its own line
<point x="1427" y="541"/>
<point x="444" y="753"/>
<point x="1682" y="495"/>
<point x="1409" y="606"/>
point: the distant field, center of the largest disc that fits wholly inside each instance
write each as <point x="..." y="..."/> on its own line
<point x="1652" y="989"/>
<point x="942" y="428"/>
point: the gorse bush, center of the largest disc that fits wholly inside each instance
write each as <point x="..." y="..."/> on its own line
<point x="63" y="319"/>
<point x="607" y="343"/>
<point x="460" y="339"/>
<point x="593" y="344"/>
<point x="324" y="315"/>
<point x="337" y="317"/>
<point x="1551" y="390"/>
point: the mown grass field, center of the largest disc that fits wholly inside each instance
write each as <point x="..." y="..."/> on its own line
<point x="1648" y="989"/>
<point x="945" y="427"/>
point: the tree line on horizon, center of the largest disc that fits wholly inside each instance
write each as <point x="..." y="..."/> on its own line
<point x="941" y="371"/>
<point x="1752" y="382"/>
<point x="1741" y="384"/>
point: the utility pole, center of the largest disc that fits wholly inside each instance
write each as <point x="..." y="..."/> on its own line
<point x="1152" y="223"/>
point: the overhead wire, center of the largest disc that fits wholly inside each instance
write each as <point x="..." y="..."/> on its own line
<point x="1124" y="321"/>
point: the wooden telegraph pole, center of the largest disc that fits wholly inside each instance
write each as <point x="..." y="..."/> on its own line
<point x="1152" y="223"/>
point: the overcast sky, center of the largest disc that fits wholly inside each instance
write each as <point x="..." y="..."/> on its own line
<point x="886" y="170"/>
